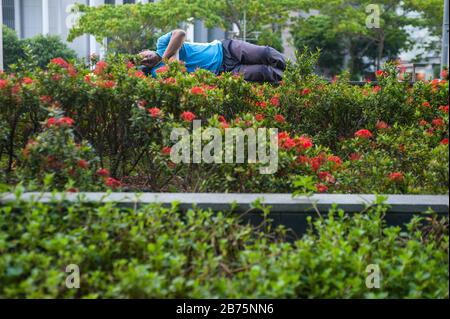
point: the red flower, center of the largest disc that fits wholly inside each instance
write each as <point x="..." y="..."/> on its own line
<point x="366" y="134"/>
<point x="316" y="163"/>
<point x="302" y="159"/>
<point x="67" y="121"/>
<point x="130" y="65"/>
<point x="376" y="89"/>
<point x="112" y="182"/>
<point x="87" y="78"/>
<point x="336" y="160"/>
<point x="438" y="122"/>
<point x="304" y="142"/>
<point x="162" y="69"/>
<point x="283" y="135"/>
<point x="306" y="91"/>
<point x="444" y="141"/>
<point x="51" y="122"/>
<point x="423" y="123"/>
<point x="381" y="125"/>
<point x="103" y="172"/>
<point x="280" y="118"/>
<point x="154" y="112"/>
<point x="27" y="81"/>
<point x="60" y="62"/>
<point x="139" y="74"/>
<point x="83" y="164"/>
<point x="3" y="84"/>
<point x="224" y="125"/>
<point x="355" y="157"/>
<point x="444" y="74"/>
<point x="169" y="81"/>
<point x="261" y="104"/>
<point x="196" y="90"/>
<point x="222" y="119"/>
<point x="100" y="67"/>
<point x="188" y="116"/>
<point x="166" y="150"/>
<point x="109" y="84"/>
<point x="275" y="101"/>
<point x="73" y="190"/>
<point x="380" y="73"/>
<point x="321" y="188"/>
<point x="326" y="177"/>
<point x="396" y="176"/>
<point x="259" y="117"/>
<point x="287" y="143"/>
<point x="426" y="104"/>
<point x="444" y="108"/>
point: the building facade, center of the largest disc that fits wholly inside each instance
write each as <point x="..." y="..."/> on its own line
<point x="54" y="17"/>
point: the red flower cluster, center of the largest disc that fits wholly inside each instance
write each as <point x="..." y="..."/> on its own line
<point x="261" y="104"/>
<point x="166" y="150"/>
<point x="321" y="188"/>
<point x="275" y="101"/>
<point x="196" y="90"/>
<point x="438" y="122"/>
<point x="426" y="104"/>
<point x="396" y="177"/>
<point x="3" y="84"/>
<point x="154" y="112"/>
<point x="188" y="116"/>
<point x="100" y="67"/>
<point x="63" y="121"/>
<point x="444" y="108"/>
<point x="83" y="164"/>
<point x="60" y="62"/>
<point x="366" y="134"/>
<point x="102" y="172"/>
<point x="112" y="182"/>
<point x="27" y="81"/>
<point x="163" y="69"/>
<point x="444" y="141"/>
<point x="280" y="118"/>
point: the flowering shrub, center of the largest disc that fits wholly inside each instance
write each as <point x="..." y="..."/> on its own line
<point x="343" y="138"/>
<point x="55" y="160"/>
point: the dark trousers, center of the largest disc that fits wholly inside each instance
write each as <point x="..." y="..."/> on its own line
<point x="256" y="63"/>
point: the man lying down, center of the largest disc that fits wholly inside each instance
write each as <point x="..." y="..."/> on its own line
<point x="255" y="63"/>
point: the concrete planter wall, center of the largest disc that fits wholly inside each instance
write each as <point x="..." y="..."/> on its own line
<point x="285" y="210"/>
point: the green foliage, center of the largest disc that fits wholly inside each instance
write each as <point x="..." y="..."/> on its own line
<point x="12" y="47"/>
<point x="45" y="48"/>
<point x="39" y="48"/>
<point x="156" y="252"/>
<point x="346" y="33"/>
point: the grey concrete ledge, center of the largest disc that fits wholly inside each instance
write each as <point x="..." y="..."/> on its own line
<point x="280" y="203"/>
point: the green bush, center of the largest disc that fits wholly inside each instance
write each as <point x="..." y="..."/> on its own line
<point x="45" y="48"/>
<point x="155" y="252"/>
<point x="12" y="47"/>
<point x="127" y="118"/>
<point x="42" y="48"/>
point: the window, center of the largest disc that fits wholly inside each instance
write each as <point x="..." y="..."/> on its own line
<point x="8" y="13"/>
<point x="113" y="2"/>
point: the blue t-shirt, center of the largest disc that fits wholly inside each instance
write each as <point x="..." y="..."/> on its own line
<point x="208" y="56"/>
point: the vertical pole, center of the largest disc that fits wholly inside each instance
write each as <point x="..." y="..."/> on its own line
<point x="444" y="59"/>
<point x="45" y="18"/>
<point x="1" y="35"/>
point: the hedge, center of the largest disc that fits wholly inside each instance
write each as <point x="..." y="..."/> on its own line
<point x="155" y="252"/>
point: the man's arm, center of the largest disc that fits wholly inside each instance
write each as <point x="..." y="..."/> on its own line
<point x="176" y="41"/>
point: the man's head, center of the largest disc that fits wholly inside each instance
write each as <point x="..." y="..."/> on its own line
<point x="150" y="58"/>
